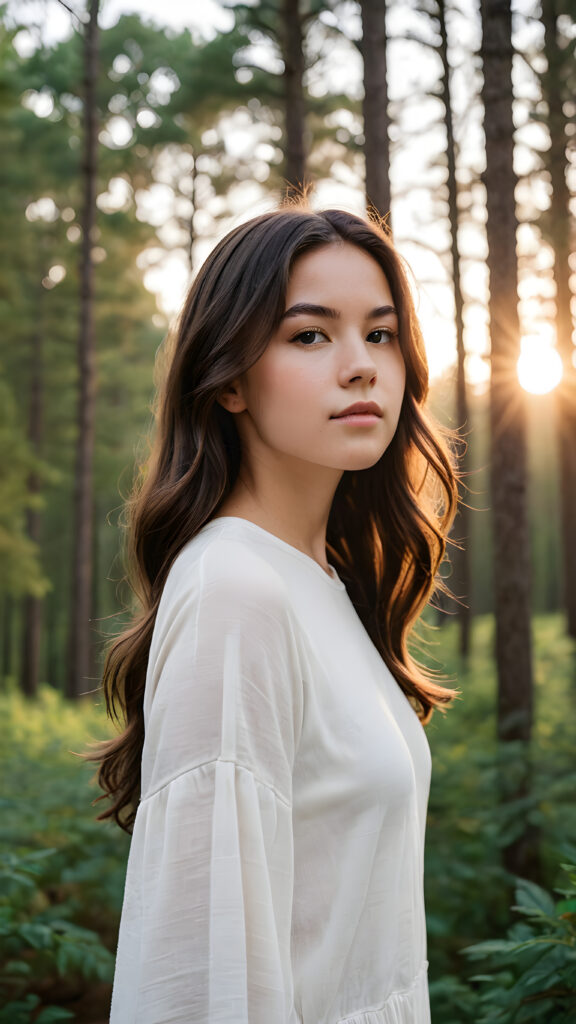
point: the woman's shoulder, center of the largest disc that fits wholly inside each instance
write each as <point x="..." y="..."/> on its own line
<point x="217" y="564"/>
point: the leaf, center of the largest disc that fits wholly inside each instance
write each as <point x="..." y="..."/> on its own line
<point x="65" y="959"/>
<point x="10" y="882"/>
<point x="532" y="900"/>
<point x="38" y="855"/>
<point x="17" y="968"/>
<point x="491" y="948"/>
<point x="39" y="936"/>
<point x="54" y="1015"/>
<point x="19" y="1011"/>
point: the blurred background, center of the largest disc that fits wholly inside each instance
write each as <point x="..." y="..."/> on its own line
<point x="132" y="136"/>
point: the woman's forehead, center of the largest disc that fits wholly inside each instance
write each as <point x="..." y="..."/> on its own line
<point x="337" y="271"/>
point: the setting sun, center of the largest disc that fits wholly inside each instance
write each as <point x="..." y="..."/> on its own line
<point x="539" y="366"/>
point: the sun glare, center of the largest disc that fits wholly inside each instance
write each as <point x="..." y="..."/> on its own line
<point x="539" y="366"/>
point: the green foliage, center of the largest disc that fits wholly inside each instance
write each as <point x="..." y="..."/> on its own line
<point x="37" y="939"/>
<point x="61" y="872"/>
<point x="20" y="571"/>
<point x="39" y="323"/>
<point x="23" y="1011"/>
<point x="468" y="893"/>
<point x="531" y="975"/>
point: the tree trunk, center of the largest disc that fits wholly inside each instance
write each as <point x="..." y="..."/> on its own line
<point x="375" y="107"/>
<point x="80" y="641"/>
<point x="508" y="426"/>
<point x="32" y="610"/>
<point x="560" y="223"/>
<point x="192" y="239"/>
<point x="54" y="673"/>
<point x="461" y="556"/>
<point x="294" y="111"/>
<point x="7" y="634"/>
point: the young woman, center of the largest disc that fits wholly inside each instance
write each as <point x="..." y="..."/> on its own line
<point x="287" y="534"/>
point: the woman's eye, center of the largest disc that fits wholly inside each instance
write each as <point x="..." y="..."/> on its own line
<point x="381" y="335"/>
<point x="309" y="337"/>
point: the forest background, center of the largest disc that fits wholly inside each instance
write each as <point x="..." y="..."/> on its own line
<point x="129" y="145"/>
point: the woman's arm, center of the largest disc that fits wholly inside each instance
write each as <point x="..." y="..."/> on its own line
<point x="205" y="934"/>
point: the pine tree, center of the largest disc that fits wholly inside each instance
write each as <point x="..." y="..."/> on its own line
<point x="557" y="92"/>
<point x="80" y="637"/>
<point x="373" y="47"/>
<point x="508" y="425"/>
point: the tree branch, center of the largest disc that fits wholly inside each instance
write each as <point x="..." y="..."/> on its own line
<point x="72" y="12"/>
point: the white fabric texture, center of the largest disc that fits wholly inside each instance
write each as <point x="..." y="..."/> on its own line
<point x="275" y="873"/>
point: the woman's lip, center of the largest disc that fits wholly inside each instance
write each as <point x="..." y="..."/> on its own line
<point x="359" y="419"/>
<point x="360" y="408"/>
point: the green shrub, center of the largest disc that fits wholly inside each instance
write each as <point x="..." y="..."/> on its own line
<point x="468" y="892"/>
<point x="531" y="975"/>
<point x="61" y="872"/>
<point x="38" y="939"/>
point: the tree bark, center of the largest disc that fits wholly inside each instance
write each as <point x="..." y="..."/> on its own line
<point x="192" y="239"/>
<point x="7" y="634"/>
<point x="55" y="677"/>
<point x="294" y="107"/>
<point x="80" y="641"/>
<point x="560" y="223"/>
<point x="461" y="557"/>
<point x="375" y="107"/>
<point x="32" y="610"/>
<point x="508" y="426"/>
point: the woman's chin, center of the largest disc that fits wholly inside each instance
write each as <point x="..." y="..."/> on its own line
<point x="356" y="463"/>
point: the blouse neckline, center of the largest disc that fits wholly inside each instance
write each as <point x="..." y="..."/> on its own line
<point x="331" y="578"/>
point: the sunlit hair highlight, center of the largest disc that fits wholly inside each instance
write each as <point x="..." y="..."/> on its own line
<point x="388" y="524"/>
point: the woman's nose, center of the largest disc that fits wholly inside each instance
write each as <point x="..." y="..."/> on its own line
<point x="357" y="363"/>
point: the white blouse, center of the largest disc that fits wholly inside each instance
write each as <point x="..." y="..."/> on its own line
<point x="276" y="866"/>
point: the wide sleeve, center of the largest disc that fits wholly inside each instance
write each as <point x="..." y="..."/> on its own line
<point x="206" y="921"/>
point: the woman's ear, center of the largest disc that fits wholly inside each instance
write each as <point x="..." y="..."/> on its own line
<point x="231" y="397"/>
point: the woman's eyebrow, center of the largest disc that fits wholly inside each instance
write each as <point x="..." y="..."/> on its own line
<point x="310" y="309"/>
<point x="382" y="311"/>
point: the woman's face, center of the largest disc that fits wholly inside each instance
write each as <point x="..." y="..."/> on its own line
<point x="337" y="345"/>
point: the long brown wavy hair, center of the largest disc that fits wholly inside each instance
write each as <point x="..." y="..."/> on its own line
<point x="388" y="524"/>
